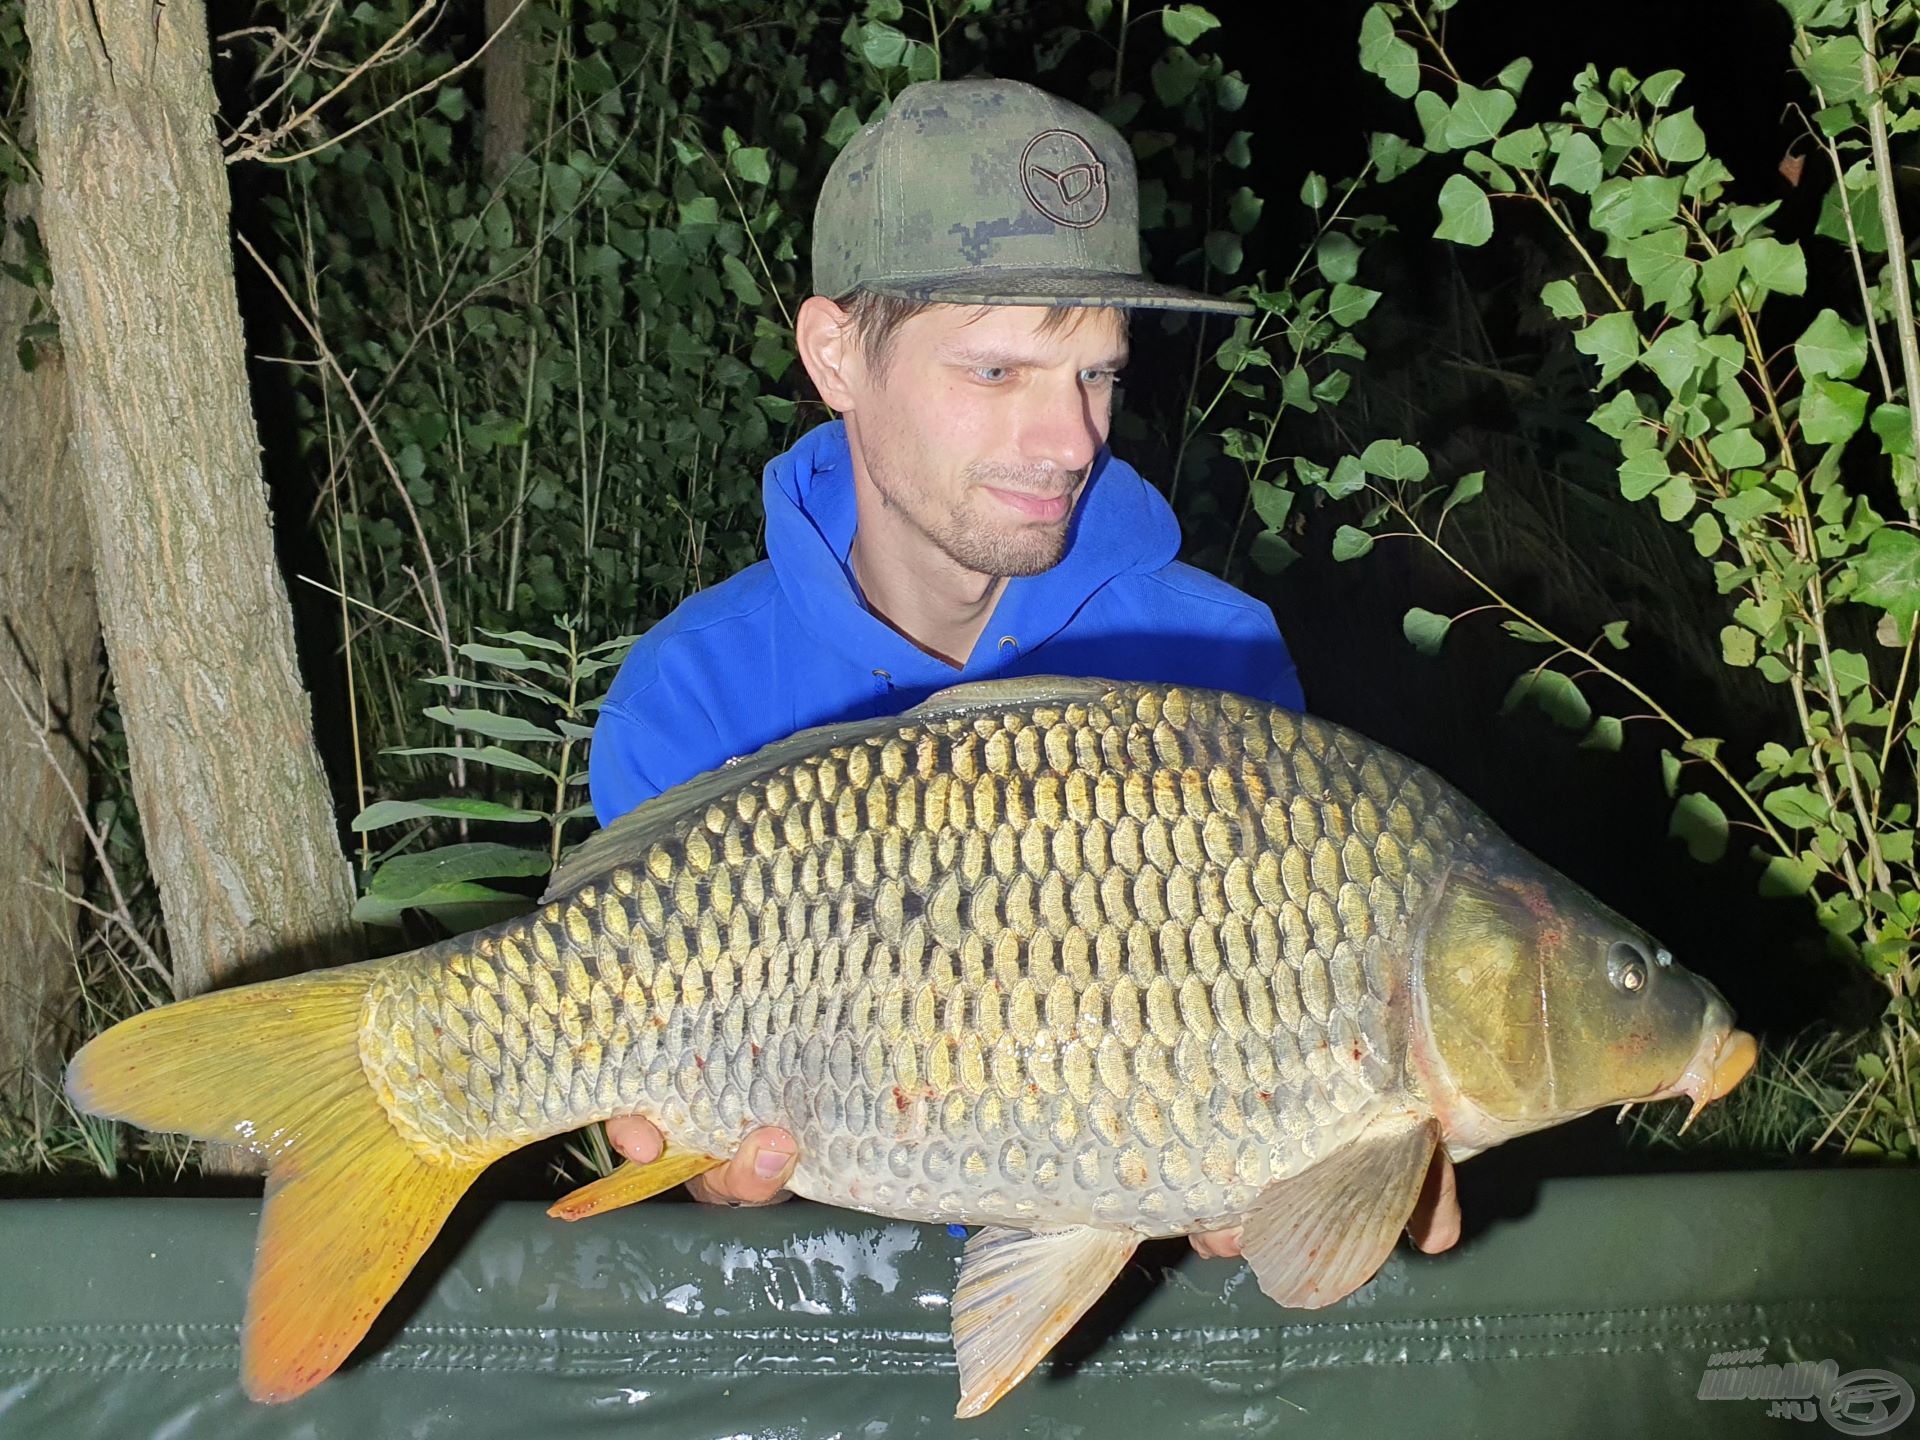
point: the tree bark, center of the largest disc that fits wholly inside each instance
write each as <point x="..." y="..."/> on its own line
<point x="506" y="105"/>
<point x="238" y="822"/>
<point x="50" y="658"/>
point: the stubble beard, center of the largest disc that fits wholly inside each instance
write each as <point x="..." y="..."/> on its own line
<point x="965" y="531"/>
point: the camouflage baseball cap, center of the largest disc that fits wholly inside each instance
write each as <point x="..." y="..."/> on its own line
<point x="989" y="192"/>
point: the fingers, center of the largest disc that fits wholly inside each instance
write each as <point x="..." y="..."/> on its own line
<point x="755" y="1175"/>
<point x="1217" y="1244"/>
<point x="1435" y="1225"/>
<point x="636" y="1139"/>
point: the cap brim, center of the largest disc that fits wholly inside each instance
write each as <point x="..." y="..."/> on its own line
<point x="1053" y="287"/>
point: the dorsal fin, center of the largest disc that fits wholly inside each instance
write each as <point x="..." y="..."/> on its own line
<point x="625" y="841"/>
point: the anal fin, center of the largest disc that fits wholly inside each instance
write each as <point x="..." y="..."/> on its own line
<point x="632" y="1183"/>
<point x="1318" y="1236"/>
<point x="1018" y="1293"/>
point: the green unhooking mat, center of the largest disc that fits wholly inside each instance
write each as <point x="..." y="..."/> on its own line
<point x="1596" y="1312"/>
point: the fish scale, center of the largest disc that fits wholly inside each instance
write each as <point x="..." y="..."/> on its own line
<point x="1124" y="960"/>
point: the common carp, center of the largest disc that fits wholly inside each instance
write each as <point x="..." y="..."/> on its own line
<point x="1077" y="962"/>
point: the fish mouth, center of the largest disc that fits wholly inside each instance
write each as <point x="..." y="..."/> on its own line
<point x="1720" y="1062"/>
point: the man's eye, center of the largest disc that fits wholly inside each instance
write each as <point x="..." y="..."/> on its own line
<point x="1100" y="377"/>
<point x="992" y="374"/>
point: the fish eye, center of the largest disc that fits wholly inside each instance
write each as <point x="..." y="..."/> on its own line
<point x="1663" y="958"/>
<point x="1627" y="967"/>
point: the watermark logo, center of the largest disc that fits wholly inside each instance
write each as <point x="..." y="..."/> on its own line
<point x="1859" y="1402"/>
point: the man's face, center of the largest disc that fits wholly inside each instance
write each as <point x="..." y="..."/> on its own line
<point x="981" y="431"/>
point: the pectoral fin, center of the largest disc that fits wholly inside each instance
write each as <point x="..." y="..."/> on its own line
<point x="1320" y="1235"/>
<point x="1018" y="1293"/>
<point x="632" y="1183"/>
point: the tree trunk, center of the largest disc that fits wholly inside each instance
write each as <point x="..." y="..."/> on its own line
<point x="506" y="106"/>
<point x="50" y="657"/>
<point x="238" y="823"/>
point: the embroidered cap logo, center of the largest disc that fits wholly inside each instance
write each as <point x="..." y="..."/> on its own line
<point x="1064" y="179"/>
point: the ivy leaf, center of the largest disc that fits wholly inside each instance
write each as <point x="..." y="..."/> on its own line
<point x="1642" y="473"/>
<point x="1524" y="148"/>
<point x="1337" y="256"/>
<point x="1385" y="54"/>
<point x="1736" y="645"/>
<point x="1349" y="477"/>
<point x="1613" y="340"/>
<point x="1831" y="349"/>
<point x="1776" y="266"/>
<point x="1795" y="805"/>
<point x="1478" y="116"/>
<point x="1224" y="251"/>
<point x="1834" y="65"/>
<point x="1271" y="503"/>
<point x="1425" y="630"/>
<point x="1888" y="572"/>
<point x="1624" y="208"/>
<point x="1272" y="553"/>
<point x="1313" y="190"/>
<point x="1243" y="210"/>
<point x="881" y="45"/>
<point x="1185" y="24"/>
<point x="1350" y="544"/>
<point x="1465" y="216"/>
<point x="1659" y="265"/>
<point x="1391" y="460"/>
<point x="1831" y="410"/>
<point x="750" y="164"/>
<point x="1702" y="825"/>
<point x="1894" y="425"/>
<point x="1579" y="167"/>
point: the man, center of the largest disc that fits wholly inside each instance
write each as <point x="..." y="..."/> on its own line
<point x="962" y="518"/>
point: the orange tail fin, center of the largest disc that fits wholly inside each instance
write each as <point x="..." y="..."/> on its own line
<point x="350" y="1205"/>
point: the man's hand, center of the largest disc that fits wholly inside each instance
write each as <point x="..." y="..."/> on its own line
<point x="755" y="1175"/>
<point x="1435" y="1225"/>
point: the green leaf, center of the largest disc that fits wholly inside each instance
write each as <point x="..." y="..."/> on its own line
<point x="1477" y="116"/>
<point x="1392" y="155"/>
<point x="740" y="280"/>
<point x="1675" y="498"/>
<point x="1795" y="805"/>
<point x="1702" y="825"/>
<point x="1830" y="411"/>
<point x="750" y="164"/>
<point x="1834" y="65"/>
<point x="1831" y="348"/>
<point x="1613" y="340"/>
<point x="1894" y="425"/>
<point x="1669" y="771"/>
<point x="1562" y="298"/>
<point x="1736" y="645"/>
<point x="1579" y="167"/>
<point x="1385" y="54"/>
<point x="1528" y="632"/>
<point x="1614" y="632"/>
<point x="494" y="757"/>
<point x="1425" y="630"/>
<point x="391" y="812"/>
<point x="493" y="726"/>
<point x="405" y="876"/>
<point x="1272" y="553"/>
<point x="1337" y="256"/>
<point x="1391" y="460"/>
<point x="1466" y="488"/>
<point x="1524" y="148"/>
<point x="1350" y="304"/>
<point x="1514" y="76"/>
<point x="1888" y="573"/>
<point x="1556" y="694"/>
<point x="1642" y="473"/>
<point x="1350" y="544"/>
<point x="1658" y="87"/>
<point x="1660" y="266"/>
<point x="1736" y="450"/>
<point x="1605" y="734"/>
<point x="1678" y="138"/>
<point x="460" y="906"/>
<point x="1624" y="208"/>
<point x="882" y="46"/>
<point x="1465" y="216"/>
<point x="843" y="127"/>
<point x="508" y="657"/>
<point x="1777" y="266"/>
<point x="1185" y="24"/>
<point x="1850" y="671"/>
<point x="1348" y="478"/>
<point x="1224" y="252"/>
<point x="1313" y="190"/>
<point x="1787" y="879"/>
<point x="1708" y="538"/>
<point x="1720" y="274"/>
<point x="1271" y="503"/>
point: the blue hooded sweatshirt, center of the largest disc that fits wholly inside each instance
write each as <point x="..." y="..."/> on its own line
<point x="787" y="643"/>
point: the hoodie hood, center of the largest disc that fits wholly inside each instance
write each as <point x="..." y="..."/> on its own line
<point x="1120" y="525"/>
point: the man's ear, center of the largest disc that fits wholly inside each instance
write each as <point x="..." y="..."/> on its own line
<point x="824" y="335"/>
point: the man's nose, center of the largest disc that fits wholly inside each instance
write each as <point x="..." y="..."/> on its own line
<point x="1063" y="426"/>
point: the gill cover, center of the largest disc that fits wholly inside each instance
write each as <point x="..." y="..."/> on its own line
<point x="1541" y="1004"/>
